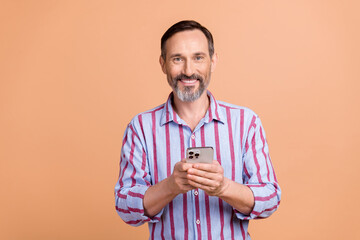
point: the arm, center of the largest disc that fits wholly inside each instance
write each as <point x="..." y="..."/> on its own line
<point x="260" y="194"/>
<point x="160" y="194"/>
<point x="210" y="178"/>
<point x="134" y="180"/>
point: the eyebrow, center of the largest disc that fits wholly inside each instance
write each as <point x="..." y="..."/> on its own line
<point x="175" y="55"/>
<point x="179" y="55"/>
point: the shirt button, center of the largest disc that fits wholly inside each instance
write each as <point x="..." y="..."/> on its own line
<point x="193" y="136"/>
<point x="196" y="193"/>
<point x="197" y="221"/>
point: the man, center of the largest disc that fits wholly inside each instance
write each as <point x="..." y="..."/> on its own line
<point x="182" y="200"/>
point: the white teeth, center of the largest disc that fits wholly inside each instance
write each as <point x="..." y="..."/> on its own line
<point x="188" y="81"/>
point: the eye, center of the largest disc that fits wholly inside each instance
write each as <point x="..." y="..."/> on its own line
<point x="177" y="59"/>
<point x="199" y="58"/>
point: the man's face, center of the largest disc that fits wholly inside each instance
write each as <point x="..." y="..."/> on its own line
<point x="188" y="65"/>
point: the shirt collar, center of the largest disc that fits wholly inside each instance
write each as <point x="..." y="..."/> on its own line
<point x="213" y="113"/>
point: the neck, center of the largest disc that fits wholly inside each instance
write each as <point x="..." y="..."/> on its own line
<point x="192" y="112"/>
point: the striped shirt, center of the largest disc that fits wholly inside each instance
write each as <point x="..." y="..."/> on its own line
<point x="155" y="140"/>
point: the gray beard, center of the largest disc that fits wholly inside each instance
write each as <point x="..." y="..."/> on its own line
<point x="188" y="94"/>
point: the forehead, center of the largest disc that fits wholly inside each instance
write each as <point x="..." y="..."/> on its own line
<point x="187" y="42"/>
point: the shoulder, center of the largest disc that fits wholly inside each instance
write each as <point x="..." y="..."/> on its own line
<point x="144" y="119"/>
<point x="247" y="112"/>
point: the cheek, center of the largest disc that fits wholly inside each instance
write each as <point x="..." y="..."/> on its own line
<point x="174" y="71"/>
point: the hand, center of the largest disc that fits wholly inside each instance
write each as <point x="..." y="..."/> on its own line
<point x="208" y="177"/>
<point x="178" y="180"/>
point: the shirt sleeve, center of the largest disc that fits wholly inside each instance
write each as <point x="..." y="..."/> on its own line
<point x="258" y="173"/>
<point x="134" y="180"/>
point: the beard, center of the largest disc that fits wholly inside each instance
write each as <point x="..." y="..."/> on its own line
<point x="188" y="94"/>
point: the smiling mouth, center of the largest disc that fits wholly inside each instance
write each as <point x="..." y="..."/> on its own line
<point x="189" y="81"/>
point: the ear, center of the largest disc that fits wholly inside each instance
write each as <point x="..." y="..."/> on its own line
<point x="214" y="61"/>
<point x="162" y="64"/>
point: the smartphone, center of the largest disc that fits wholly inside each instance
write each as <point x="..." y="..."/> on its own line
<point x="200" y="155"/>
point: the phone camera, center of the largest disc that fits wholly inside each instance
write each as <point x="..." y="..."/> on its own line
<point x="191" y="157"/>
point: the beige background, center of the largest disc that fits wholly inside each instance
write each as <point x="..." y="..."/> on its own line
<point x="73" y="74"/>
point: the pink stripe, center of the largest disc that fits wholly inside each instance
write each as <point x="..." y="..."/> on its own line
<point x="202" y="131"/>
<point x="246" y="173"/>
<point x="123" y="173"/>
<point x="221" y="218"/>
<point x="143" y="168"/>
<point x="153" y="230"/>
<point x="252" y="124"/>
<point x="141" y="125"/>
<point x="197" y="210"/>
<point x="232" y="153"/>
<point x="210" y="114"/>
<point x="186" y="230"/>
<point x="168" y="168"/>
<point x="154" y="146"/>
<point x="131" y="157"/>
<point x="136" y="210"/>
<point x="133" y="222"/>
<point x="266" y="210"/>
<point x="123" y="196"/>
<point x="124" y="141"/>
<point x="137" y="221"/>
<point x="157" y="109"/>
<point x="193" y="142"/>
<point x="174" y="116"/>
<point x="168" y="154"/>
<point x="217" y="112"/>
<point x="263" y="151"/>
<point x="216" y="108"/>
<point x="218" y="156"/>
<point x="208" y="219"/>
<point x="217" y="142"/>
<point x="253" y="143"/>
<point x="241" y="127"/>
<point x="138" y="195"/>
<point x="232" y="225"/>
<point x="182" y="149"/>
<point x="122" y="210"/>
<point x="266" y="198"/>
<point x="162" y="227"/>
<point x="242" y="229"/>
<point x="182" y="144"/>
<point x="207" y="202"/>
<point x="143" y="164"/>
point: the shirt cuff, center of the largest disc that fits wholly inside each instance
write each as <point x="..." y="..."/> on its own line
<point x="135" y="199"/>
<point x="260" y="204"/>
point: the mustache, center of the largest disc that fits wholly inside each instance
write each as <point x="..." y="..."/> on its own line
<point x="185" y="77"/>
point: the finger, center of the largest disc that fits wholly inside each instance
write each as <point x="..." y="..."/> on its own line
<point x="201" y="186"/>
<point x="213" y="167"/>
<point x="201" y="181"/>
<point x="183" y="166"/>
<point x="203" y="174"/>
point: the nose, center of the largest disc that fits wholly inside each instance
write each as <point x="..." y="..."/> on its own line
<point x="188" y="68"/>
